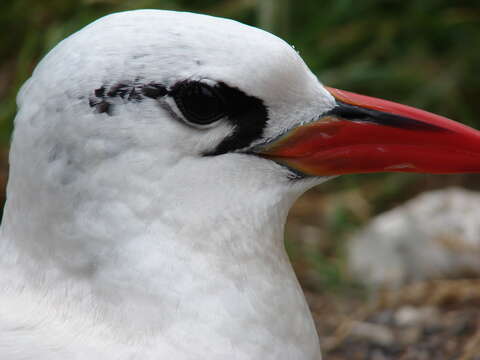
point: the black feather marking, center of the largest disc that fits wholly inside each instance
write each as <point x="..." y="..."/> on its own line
<point x="154" y="90"/>
<point x="126" y="90"/>
<point x="100" y="92"/>
<point x="248" y="115"/>
<point x="119" y="89"/>
<point x="104" y="107"/>
<point x="99" y="103"/>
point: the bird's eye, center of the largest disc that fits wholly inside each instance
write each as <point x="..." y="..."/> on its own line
<point x="199" y="103"/>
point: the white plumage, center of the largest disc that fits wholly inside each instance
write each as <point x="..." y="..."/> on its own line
<point x="119" y="240"/>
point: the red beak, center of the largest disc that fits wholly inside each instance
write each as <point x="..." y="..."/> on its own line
<point x="364" y="134"/>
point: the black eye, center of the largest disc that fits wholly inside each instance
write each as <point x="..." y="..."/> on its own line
<point x="200" y="103"/>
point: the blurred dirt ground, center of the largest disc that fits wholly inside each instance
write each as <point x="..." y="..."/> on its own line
<point x="438" y="320"/>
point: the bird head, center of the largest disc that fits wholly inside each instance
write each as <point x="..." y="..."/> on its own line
<point x="194" y="87"/>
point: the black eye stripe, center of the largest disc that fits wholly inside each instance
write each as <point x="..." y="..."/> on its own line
<point x="247" y="114"/>
<point x="154" y="90"/>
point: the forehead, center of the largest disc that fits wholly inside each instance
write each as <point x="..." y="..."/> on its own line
<point x="167" y="47"/>
<point x="171" y="46"/>
<point x="187" y="37"/>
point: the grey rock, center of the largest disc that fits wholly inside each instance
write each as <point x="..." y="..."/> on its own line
<point x="435" y="235"/>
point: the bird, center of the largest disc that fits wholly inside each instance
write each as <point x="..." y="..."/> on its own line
<point x="154" y="159"/>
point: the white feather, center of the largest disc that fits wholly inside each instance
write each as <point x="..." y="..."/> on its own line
<point x="118" y="240"/>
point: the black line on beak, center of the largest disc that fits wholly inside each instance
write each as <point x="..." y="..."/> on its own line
<point x="357" y="113"/>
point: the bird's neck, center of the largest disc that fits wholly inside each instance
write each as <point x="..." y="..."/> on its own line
<point x="172" y="256"/>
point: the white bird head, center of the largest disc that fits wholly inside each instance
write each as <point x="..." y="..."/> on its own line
<point x="190" y="85"/>
<point x="159" y="150"/>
